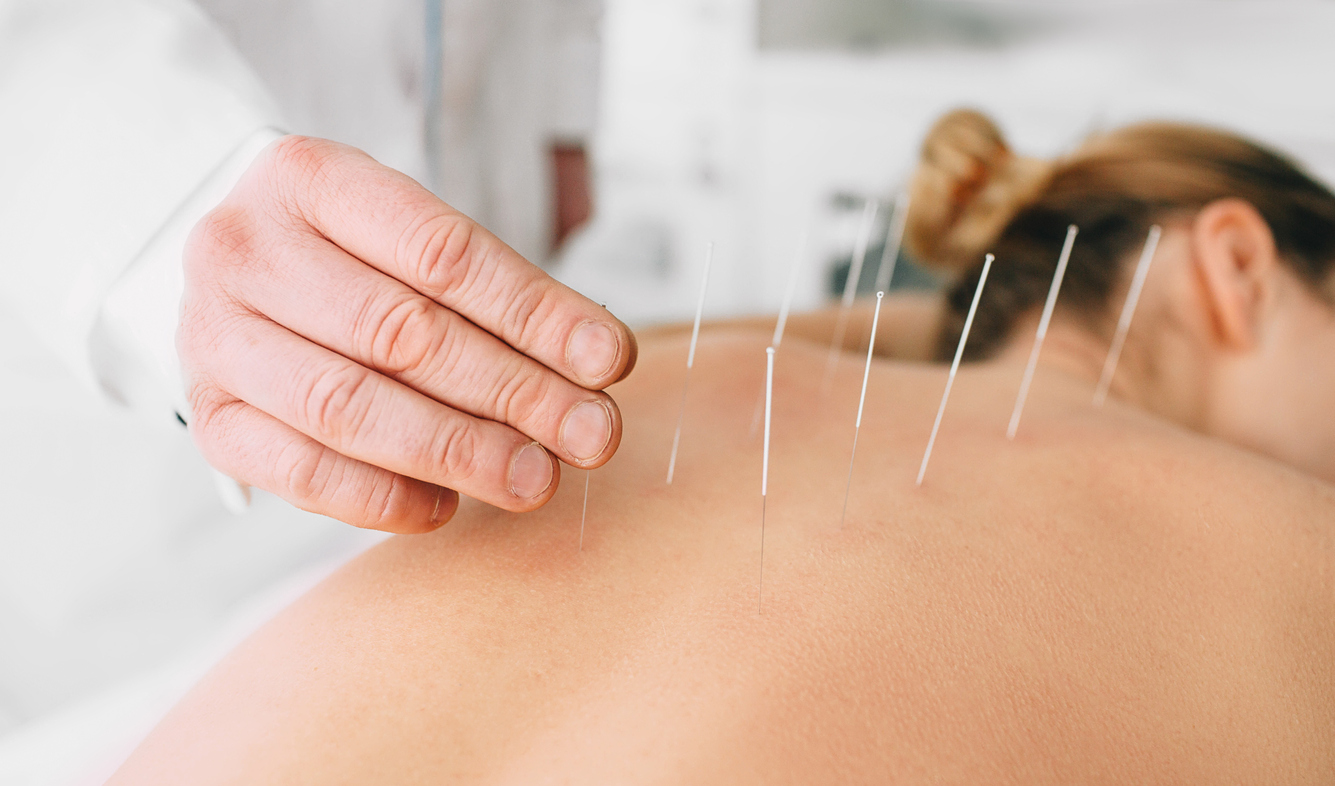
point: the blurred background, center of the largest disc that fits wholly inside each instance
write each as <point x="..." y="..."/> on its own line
<point x="610" y="142"/>
<point x="744" y="122"/>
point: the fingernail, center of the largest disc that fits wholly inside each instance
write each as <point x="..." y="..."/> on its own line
<point x="593" y="350"/>
<point x="586" y="430"/>
<point x="444" y="508"/>
<point x="530" y="472"/>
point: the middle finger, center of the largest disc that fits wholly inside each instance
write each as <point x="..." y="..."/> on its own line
<point x="381" y="323"/>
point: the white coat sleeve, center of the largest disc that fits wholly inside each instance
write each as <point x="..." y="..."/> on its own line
<point x="122" y="122"/>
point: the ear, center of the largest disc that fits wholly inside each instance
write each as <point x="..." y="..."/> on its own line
<point x="1236" y="262"/>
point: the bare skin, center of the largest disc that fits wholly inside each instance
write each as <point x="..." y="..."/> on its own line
<point x="1110" y="598"/>
<point x="908" y="328"/>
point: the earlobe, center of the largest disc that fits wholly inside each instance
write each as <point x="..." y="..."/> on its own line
<point x="1235" y="259"/>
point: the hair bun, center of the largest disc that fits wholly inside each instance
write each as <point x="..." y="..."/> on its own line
<point x="968" y="187"/>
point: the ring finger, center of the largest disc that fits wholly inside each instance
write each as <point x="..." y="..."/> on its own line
<point x="381" y="323"/>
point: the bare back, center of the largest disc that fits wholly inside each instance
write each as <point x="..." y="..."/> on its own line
<point x="1107" y="599"/>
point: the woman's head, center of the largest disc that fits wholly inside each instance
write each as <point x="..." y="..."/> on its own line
<point x="1249" y="248"/>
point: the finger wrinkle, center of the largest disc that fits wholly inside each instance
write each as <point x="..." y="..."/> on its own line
<point x="402" y="339"/>
<point x="212" y="415"/>
<point x="339" y="401"/>
<point x="303" y="471"/>
<point x="458" y="454"/>
<point x="529" y="316"/>
<point x="521" y="392"/>
<point x="454" y="348"/>
<point x="437" y="252"/>
<point x="296" y="165"/>
<point x="227" y="232"/>
<point x="389" y="502"/>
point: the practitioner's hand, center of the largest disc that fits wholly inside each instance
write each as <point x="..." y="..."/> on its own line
<point x="355" y="346"/>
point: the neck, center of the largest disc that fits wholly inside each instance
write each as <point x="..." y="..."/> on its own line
<point x="1073" y="352"/>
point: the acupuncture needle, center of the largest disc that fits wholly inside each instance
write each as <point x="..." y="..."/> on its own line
<point x="782" y="322"/>
<point x="862" y="399"/>
<point x="850" y="287"/>
<point x="588" y="473"/>
<point x="894" y="240"/>
<point x="584" y="514"/>
<point x="764" y="472"/>
<point x="690" y="360"/>
<point x="1042" y="334"/>
<point x="1128" y="310"/>
<point x="955" y="365"/>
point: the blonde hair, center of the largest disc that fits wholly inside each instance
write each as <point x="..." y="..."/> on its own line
<point x="972" y="194"/>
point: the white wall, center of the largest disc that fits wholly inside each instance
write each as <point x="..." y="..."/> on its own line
<point x="704" y="135"/>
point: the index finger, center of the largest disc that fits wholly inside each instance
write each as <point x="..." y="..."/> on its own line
<point x="393" y="224"/>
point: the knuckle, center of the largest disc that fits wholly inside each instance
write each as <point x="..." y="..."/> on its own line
<point x="404" y="338"/>
<point x="458" y="451"/>
<point x="207" y="407"/>
<point x="337" y="401"/>
<point x="230" y="248"/>
<point x="298" y="169"/>
<point x="528" y="313"/>
<point x="305" y="474"/>
<point x="226" y="235"/>
<point x="521" y="394"/>
<point x="441" y="251"/>
<point x="454" y="358"/>
<point x="300" y="156"/>
<point x="213" y="428"/>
